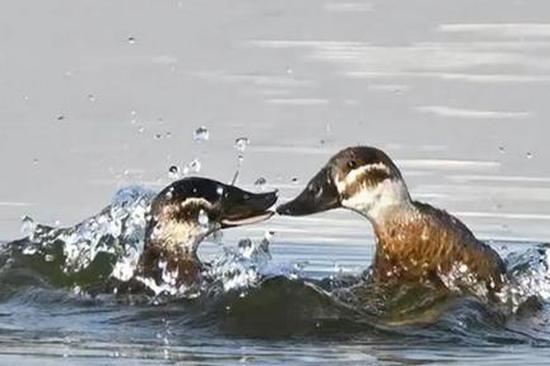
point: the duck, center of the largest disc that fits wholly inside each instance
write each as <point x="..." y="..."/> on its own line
<point x="177" y="220"/>
<point x="182" y="215"/>
<point x="415" y="242"/>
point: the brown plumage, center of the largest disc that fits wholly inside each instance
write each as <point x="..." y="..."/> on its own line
<point x="427" y="243"/>
<point x="415" y="242"/>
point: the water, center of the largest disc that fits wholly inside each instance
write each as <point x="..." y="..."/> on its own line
<point x="458" y="97"/>
<point x="262" y="305"/>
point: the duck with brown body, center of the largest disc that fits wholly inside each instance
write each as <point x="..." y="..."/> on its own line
<point x="186" y="212"/>
<point x="414" y="241"/>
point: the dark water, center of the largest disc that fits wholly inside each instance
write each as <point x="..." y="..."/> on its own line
<point x="264" y="307"/>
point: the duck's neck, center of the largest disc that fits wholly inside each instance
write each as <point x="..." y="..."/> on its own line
<point x="382" y="202"/>
<point x="170" y="254"/>
<point x="166" y="265"/>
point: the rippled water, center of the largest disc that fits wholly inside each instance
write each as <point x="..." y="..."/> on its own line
<point x="96" y="96"/>
<point x="262" y="307"/>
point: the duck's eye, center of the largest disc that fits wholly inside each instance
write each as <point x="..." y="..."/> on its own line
<point x="352" y="164"/>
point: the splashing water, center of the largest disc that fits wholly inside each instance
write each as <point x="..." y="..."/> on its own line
<point x="241" y="144"/>
<point x="174" y="172"/>
<point x="118" y="230"/>
<point x="529" y="273"/>
<point x="243" y="268"/>
<point x="193" y="166"/>
<point x="27" y="226"/>
<point x="260" y="182"/>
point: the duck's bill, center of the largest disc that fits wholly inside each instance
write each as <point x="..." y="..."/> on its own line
<point x="247" y="220"/>
<point x="243" y="208"/>
<point x="319" y="195"/>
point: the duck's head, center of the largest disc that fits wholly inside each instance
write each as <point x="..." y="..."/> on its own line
<point x="363" y="179"/>
<point x="188" y="210"/>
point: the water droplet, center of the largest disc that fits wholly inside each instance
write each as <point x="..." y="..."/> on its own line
<point x="158" y="136"/>
<point x="501" y="149"/>
<point x="260" y="182"/>
<point x="244" y="243"/>
<point x="192" y="167"/>
<point x="131" y="40"/>
<point x="294" y="180"/>
<point x="26" y="98"/>
<point x="241" y="143"/>
<point x="68" y="74"/>
<point x="201" y="134"/>
<point x="35" y="161"/>
<point x="240" y="158"/>
<point x="203" y="219"/>
<point x="268" y="234"/>
<point x="141" y="129"/>
<point x="288" y="70"/>
<point x="219" y="190"/>
<point x="168" y="134"/>
<point x="529" y="155"/>
<point x="91" y="98"/>
<point x="61" y="117"/>
<point x="133" y="112"/>
<point x="49" y="258"/>
<point x="174" y="172"/>
<point x="27" y="226"/>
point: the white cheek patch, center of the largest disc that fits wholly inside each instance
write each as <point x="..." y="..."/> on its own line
<point x="371" y="201"/>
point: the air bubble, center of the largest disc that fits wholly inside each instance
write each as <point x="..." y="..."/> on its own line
<point x="294" y="180"/>
<point x="201" y="134"/>
<point x="91" y="98"/>
<point x="241" y="143"/>
<point x="529" y="155"/>
<point x="61" y="117"/>
<point x="131" y="40"/>
<point x="501" y="149"/>
<point x="158" y="136"/>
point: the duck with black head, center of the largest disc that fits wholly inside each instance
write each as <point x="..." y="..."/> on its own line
<point x="414" y="241"/>
<point x="186" y="212"/>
